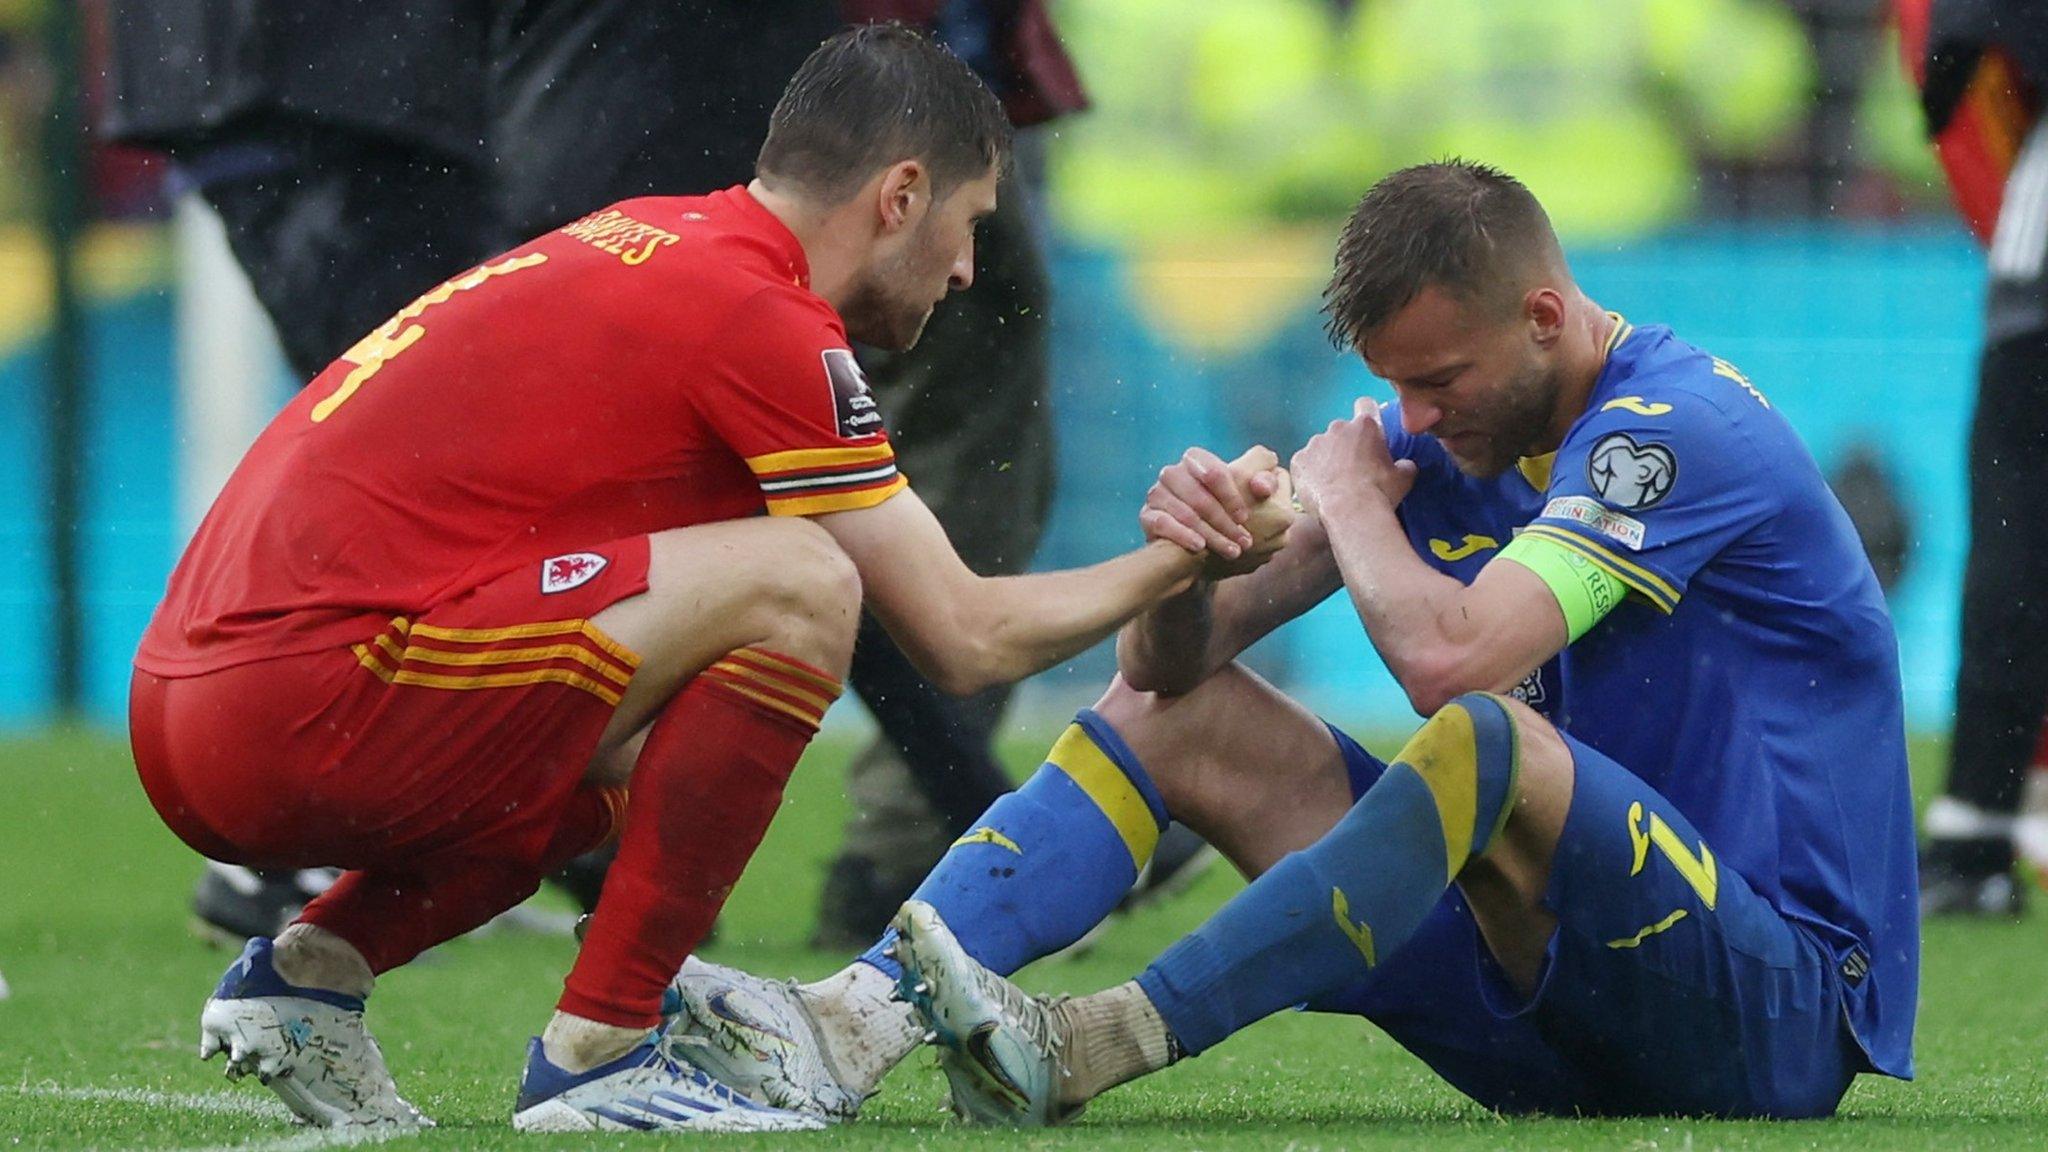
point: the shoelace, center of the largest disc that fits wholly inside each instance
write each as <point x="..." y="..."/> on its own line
<point x="661" y="1060"/>
<point x="1030" y="1013"/>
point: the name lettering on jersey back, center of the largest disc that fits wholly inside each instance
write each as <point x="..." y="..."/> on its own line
<point x="633" y="241"/>
<point x="394" y="336"/>
<point x="1728" y="371"/>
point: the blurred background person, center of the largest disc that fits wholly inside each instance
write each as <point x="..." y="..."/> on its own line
<point x="341" y="144"/>
<point x="1981" y="65"/>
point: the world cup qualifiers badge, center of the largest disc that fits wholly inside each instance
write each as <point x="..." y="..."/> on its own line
<point x="852" y="401"/>
<point x="1630" y="475"/>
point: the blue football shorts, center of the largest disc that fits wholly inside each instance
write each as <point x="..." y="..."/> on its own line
<point x="1670" y="986"/>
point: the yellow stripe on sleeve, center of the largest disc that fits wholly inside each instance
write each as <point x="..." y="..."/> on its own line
<point x="1654" y="588"/>
<point x="804" y="459"/>
<point x="1086" y="765"/>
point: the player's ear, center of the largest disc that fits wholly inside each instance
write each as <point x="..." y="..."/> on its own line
<point x="1543" y="309"/>
<point x="902" y="195"/>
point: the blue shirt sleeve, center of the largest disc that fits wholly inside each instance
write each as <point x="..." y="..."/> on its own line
<point x="1652" y="489"/>
<point x="1428" y="455"/>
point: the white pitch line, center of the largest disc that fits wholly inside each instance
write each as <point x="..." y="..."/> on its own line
<point x="222" y="1103"/>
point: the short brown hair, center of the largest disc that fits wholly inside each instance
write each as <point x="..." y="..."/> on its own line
<point x="1463" y="227"/>
<point x="874" y="95"/>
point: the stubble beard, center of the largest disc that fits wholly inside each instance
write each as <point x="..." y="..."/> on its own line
<point x="874" y="318"/>
<point x="1519" y="419"/>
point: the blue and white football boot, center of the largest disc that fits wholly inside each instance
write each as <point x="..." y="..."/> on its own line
<point x="647" y="1089"/>
<point x="759" y="1037"/>
<point x="307" y="1045"/>
<point x="1000" y="1047"/>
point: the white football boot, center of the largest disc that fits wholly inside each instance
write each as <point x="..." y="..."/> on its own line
<point x="307" y="1045"/>
<point x="1001" y="1047"/>
<point x="758" y="1037"/>
<point x="647" y="1089"/>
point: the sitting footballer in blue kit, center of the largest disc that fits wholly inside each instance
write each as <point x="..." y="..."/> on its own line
<point x="1650" y="853"/>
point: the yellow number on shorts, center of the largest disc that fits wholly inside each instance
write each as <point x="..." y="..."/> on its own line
<point x="372" y="352"/>
<point x="1698" y="871"/>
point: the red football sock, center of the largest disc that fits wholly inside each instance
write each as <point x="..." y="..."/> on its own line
<point x="705" y="787"/>
<point x="391" y="915"/>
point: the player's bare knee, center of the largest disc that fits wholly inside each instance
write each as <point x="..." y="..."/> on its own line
<point x="1147" y="723"/>
<point x="1128" y="710"/>
<point x="1538" y="794"/>
<point x="810" y="603"/>
<point x="1544" y="768"/>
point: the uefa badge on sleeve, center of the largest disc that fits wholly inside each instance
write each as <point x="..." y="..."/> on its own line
<point x="1631" y="475"/>
<point x="561" y="573"/>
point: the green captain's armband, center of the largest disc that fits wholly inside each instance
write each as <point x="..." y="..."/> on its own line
<point x="1583" y="589"/>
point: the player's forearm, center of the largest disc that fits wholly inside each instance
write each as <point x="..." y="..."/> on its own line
<point x="1014" y="626"/>
<point x="1168" y="648"/>
<point x="1413" y="613"/>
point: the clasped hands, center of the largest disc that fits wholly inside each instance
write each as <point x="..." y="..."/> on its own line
<point x="1237" y="514"/>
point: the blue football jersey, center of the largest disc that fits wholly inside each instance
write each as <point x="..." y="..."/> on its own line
<point x="1752" y="674"/>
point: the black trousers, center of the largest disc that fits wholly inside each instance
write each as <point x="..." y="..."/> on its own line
<point x="2002" y="683"/>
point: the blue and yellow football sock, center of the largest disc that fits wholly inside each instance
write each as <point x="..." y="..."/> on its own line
<point x="1047" y="862"/>
<point x="1326" y="915"/>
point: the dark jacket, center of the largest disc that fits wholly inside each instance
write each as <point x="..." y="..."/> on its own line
<point x="183" y="75"/>
<point x="598" y="100"/>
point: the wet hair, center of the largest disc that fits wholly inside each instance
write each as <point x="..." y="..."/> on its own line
<point x="1469" y="229"/>
<point x="875" y="95"/>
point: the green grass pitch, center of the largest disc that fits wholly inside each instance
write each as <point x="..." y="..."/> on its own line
<point x="97" y="1042"/>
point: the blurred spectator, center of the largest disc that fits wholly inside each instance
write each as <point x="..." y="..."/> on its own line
<point x="341" y="143"/>
<point x="1603" y="110"/>
<point x="1243" y="112"/>
<point x="1982" y="65"/>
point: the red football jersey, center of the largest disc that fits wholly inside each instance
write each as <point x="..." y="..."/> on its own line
<point x="657" y="364"/>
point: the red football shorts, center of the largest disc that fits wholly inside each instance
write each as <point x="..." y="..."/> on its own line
<point x="461" y="732"/>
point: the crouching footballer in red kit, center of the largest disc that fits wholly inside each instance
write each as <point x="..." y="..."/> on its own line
<point x="497" y="587"/>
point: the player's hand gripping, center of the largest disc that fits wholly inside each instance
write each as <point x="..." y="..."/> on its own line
<point x="1351" y="458"/>
<point x="1238" y="513"/>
